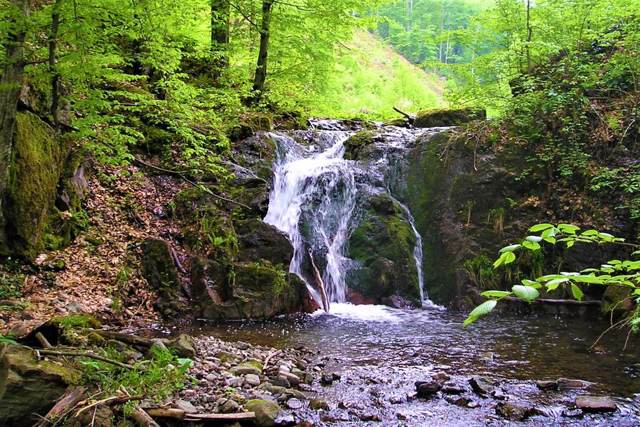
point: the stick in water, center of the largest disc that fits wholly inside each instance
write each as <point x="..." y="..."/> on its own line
<point x="320" y="284"/>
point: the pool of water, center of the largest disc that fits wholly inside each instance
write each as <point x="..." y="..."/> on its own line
<point x="380" y="352"/>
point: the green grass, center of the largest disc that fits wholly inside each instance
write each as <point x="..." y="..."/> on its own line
<point x="370" y="78"/>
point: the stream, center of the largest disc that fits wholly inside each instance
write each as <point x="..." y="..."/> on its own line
<point x="379" y="352"/>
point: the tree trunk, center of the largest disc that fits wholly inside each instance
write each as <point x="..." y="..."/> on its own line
<point x="10" y="85"/>
<point x="529" y="35"/>
<point x="53" y="60"/>
<point x="261" y="67"/>
<point x="220" y="13"/>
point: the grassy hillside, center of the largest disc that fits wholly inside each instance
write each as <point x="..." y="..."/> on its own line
<point x="370" y="78"/>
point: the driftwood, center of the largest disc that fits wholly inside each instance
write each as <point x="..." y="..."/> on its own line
<point x="409" y="117"/>
<point x="113" y="400"/>
<point x="268" y="359"/>
<point x="88" y="354"/>
<point x="44" y="342"/>
<point x="556" y="301"/>
<point x="221" y="417"/>
<point x="125" y="338"/>
<point x="319" y="284"/>
<point x="63" y="406"/>
<point x="142" y="418"/>
<point x="174" y="413"/>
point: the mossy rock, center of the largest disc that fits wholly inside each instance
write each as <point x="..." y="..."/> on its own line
<point x="618" y="299"/>
<point x="158" y="268"/>
<point x="441" y="118"/>
<point x="38" y="165"/>
<point x="383" y="244"/>
<point x="266" y="411"/>
<point x="30" y="387"/>
<point x="250" y="123"/>
<point x="356" y="143"/>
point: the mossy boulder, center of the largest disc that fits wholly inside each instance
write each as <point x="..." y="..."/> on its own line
<point x="383" y="244"/>
<point x="440" y="118"/>
<point x="266" y="411"/>
<point x="354" y="146"/>
<point x="158" y="268"/>
<point x="38" y="165"/>
<point x="618" y="299"/>
<point x="250" y="123"/>
<point x="259" y="240"/>
<point x="30" y="387"/>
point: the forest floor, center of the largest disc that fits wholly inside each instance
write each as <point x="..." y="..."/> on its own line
<point x="99" y="273"/>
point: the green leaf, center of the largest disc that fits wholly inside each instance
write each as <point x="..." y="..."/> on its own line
<point x="540" y="227"/>
<point x="481" y="310"/>
<point x="568" y="228"/>
<point x="552" y="285"/>
<point x="598" y="280"/>
<point x="509" y="248"/>
<point x="495" y="294"/>
<point x="526" y="293"/>
<point x="577" y="292"/>
<point x="505" y="258"/>
<point x="589" y="233"/>
<point x="533" y="246"/>
<point x="531" y="283"/>
<point x="535" y="239"/>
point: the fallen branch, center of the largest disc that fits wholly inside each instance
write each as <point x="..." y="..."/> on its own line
<point x="174" y="413"/>
<point x="44" y="342"/>
<point x="409" y="117"/>
<point x="125" y="338"/>
<point x="113" y="400"/>
<point x="319" y="283"/>
<point x="221" y="417"/>
<point x="268" y="359"/>
<point x="83" y="354"/>
<point x="143" y="419"/>
<point x="556" y="301"/>
<point x="67" y="402"/>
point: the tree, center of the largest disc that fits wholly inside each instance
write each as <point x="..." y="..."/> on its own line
<point x="10" y="86"/>
<point x="263" y="53"/>
<point x="220" y="17"/>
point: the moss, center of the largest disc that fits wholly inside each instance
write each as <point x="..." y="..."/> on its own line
<point x="354" y="145"/>
<point x="437" y="118"/>
<point x="38" y="165"/>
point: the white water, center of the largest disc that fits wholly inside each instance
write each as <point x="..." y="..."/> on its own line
<point x="313" y="201"/>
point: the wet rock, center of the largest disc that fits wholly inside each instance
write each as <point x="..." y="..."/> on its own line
<point x="294" y="403"/>
<point x="452" y="388"/>
<point x="328" y="379"/>
<point x="294" y="380"/>
<point x="159" y="269"/>
<point x="186" y="406"/>
<point x="285" y="420"/>
<point x="572" y="413"/>
<point x="440" y="376"/>
<point x="596" y="404"/>
<point x="513" y="411"/>
<point x="266" y="411"/>
<point x="318" y="404"/>
<point x="547" y="385"/>
<point x="280" y="381"/>
<point x="498" y="394"/>
<point x="569" y="384"/>
<point x="252" y="379"/>
<point x="439" y="118"/>
<point x="426" y="389"/>
<point x="461" y="401"/>
<point x="369" y="416"/>
<point x="481" y="385"/>
<point x="230" y="406"/>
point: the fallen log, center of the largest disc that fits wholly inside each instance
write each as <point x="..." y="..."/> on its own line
<point x="142" y="418"/>
<point x="126" y="338"/>
<point x="67" y="402"/>
<point x="319" y="284"/>
<point x="409" y="117"/>
<point x="174" y="413"/>
<point x="221" y="417"/>
<point x="44" y="342"/>
<point x="87" y="354"/>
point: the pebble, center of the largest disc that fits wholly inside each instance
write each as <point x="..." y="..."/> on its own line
<point x="294" y="403"/>
<point x="252" y="379"/>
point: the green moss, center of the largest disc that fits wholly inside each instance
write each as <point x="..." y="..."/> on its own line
<point x="437" y="118"/>
<point x="262" y="277"/>
<point x="354" y="145"/>
<point x="38" y="165"/>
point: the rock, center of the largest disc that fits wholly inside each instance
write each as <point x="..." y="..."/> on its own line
<point x="357" y="143"/>
<point x="481" y="385"/>
<point x="618" y="299"/>
<point x="285" y="419"/>
<point x="440" y="118"/>
<point x="513" y="411"/>
<point x="596" y="404"/>
<point x="458" y="400"/>
<point x="252" y="379"/>
<point x="259" y="240"/>
<point x="159" y="269"/>
<point x="29" y="386"/>
<point x="293" y="379"/>
<point x="266" y="411"/>
<point x="426" y="389"/>
<point x="230" y="406"/>
<point x="294" y="403"/>
<point x="328" y="379"/>
<point x="570" y="384"/>
<point x="280" y="381"/>
<point x="547" y="385"/>
<point x="186" y="406"/>
<point x="452" y="388"/>
<point x="318" y="404"/>
<point x="183" y="346"/>
<point x="101" y="417"/>
<point x="440" y="376"/>
<point x="251" y="366"/>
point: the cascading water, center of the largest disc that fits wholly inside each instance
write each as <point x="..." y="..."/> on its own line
<point x="315" y="197"/>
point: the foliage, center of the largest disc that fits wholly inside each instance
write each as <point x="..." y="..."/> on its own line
<point x="159" y="376"/>
<point x="620" y="273"/>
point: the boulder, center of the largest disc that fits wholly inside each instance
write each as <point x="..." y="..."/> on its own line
<point x="259" y="240"/>
<point x="482" y="386"/>
<point x="356" y="143"/>
<point x="618" y="299"/>
<point x="441" y="118"/>
<point x="426" y="389"/>
<point x="514" y="411"/>
<point x="29" y="387"/>
<point x="382" y="244"/>
<point x="249" y="367"/>
<point x="266" y="411"/>
<point x="183" y="346"/>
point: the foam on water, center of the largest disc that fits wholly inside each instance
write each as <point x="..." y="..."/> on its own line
<point x="364" y="313"/>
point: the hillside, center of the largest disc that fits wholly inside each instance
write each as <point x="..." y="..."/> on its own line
<point x="370" y="78"/>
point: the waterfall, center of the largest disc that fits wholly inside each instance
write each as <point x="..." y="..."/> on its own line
<point x="315" y="196"/>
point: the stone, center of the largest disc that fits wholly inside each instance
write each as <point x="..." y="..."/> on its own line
<point x="29" y="386"/>
<point x="280" y="381"/>
<point x="183" y="346"/>
<point x="248" y="367"/>
<point x="285" y="420"/>
<point x="570" y="384"/>
<point x="458" y="400"/>
<point x="266" y="411"/>
<point x="294" y="403"/>
<point x="596" y="404"/>
<point x="252" y="379"/>
<point x="318" y="404"/>
<point x="159" y="269"/>
<point x="294" y="380"/>
<point x="230" y="406"/>
<point x="547" y="385"/>
<point x="452" y="388"/>
<point x="186" y="406"/>
<point x="481" y="385"/>
<point x="513" y="411"/>
<point x="427" y="389"/>
<point x="441" y="118"/>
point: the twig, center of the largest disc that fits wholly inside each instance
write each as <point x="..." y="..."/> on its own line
<point x="84" y="354"/>
<point x="409" y="117"/>
<point x="43" y="340"/>
<point x="63" y="406"/>
<point x="268" y="359"/>
<point x="175" y="413"/>
<point x="221" y="417"/>
<point x="113" y="400"/>
<point x="142" y="418"/>
<point x="319" y="283"/>
<point x="605" y="332"/>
